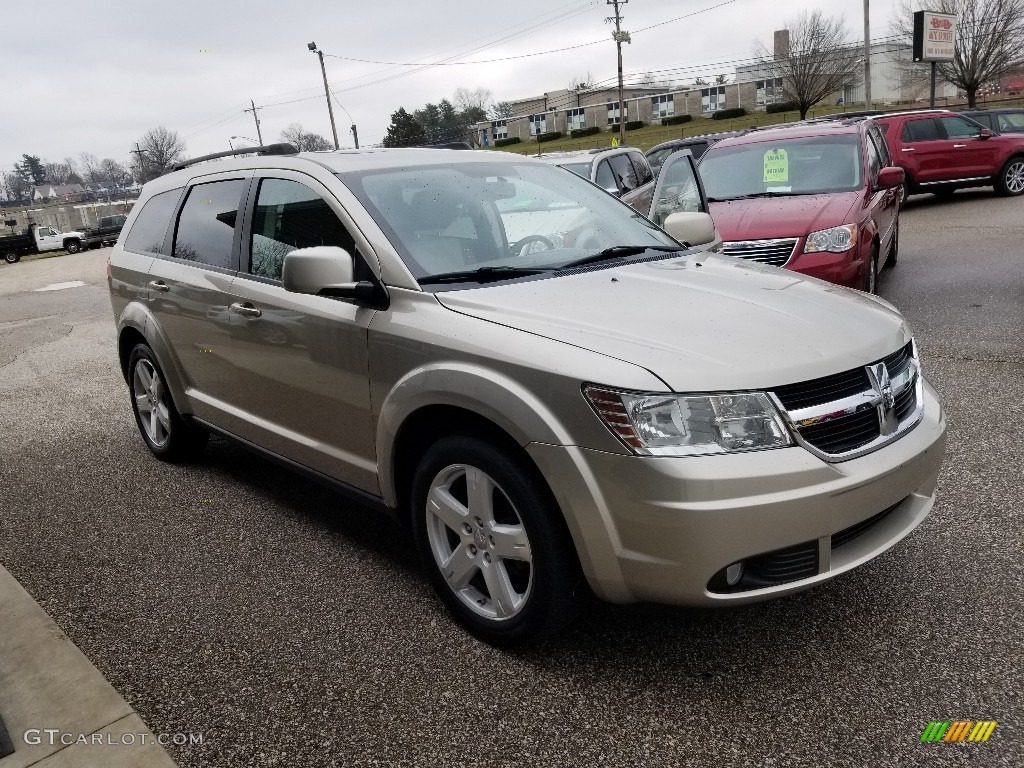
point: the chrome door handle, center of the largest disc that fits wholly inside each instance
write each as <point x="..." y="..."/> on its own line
<point x="159" y="285"/>
<point x="245" y="310"/>
<point x="907" y="149"/>
<point x="959" y="146"/>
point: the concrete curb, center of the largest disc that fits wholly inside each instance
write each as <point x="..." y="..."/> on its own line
<point x="47" y="683"/>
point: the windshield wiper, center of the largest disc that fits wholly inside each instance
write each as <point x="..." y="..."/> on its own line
<point x="481" y="275"/>
<point x="752" y="195"/>
<point x="619" y="252"/>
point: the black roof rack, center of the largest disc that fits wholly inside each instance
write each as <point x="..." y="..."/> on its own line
<point x="449" y="145"/>
<point x="269" y="149"/>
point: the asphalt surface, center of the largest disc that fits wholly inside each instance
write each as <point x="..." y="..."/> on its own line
<point x="292" y="628"/>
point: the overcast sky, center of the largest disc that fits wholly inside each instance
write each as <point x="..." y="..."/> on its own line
<point x="93" y="77"/>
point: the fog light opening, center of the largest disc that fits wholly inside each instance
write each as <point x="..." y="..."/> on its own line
<point x="733" y="574"/>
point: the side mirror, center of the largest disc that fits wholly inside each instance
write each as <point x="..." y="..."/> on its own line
<point x="890" y="177"/>
<point x="691" y="228"/>
<point x="327" y="270"/>
<point x="986" y="133"/>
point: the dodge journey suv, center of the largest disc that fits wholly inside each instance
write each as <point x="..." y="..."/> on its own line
<point x="613" y="411"/>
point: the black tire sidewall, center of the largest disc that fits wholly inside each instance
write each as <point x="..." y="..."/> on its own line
<point x="872" y="269"/>
<point x="556" y="573"/>
<point x="894" y="247"/>
<point x="12" y="258"/>
<point x="73" y="246"/>
<point x="1001" y="188"/>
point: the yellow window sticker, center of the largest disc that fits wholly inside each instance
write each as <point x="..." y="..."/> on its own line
<point x="776" y="166"/>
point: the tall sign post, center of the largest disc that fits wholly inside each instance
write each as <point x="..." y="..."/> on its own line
<point x="934" y="40"/>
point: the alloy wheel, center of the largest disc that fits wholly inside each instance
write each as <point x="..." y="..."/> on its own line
<point x="1014" y="178"/>
<point x="478" y="542"/>
<point x="151" y="402"/>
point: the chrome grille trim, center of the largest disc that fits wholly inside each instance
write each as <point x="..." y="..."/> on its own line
<point x="774" y="252"/>
<point x="906" y="382"/>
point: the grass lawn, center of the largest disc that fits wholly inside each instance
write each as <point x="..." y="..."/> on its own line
<point x="646" y="137"/>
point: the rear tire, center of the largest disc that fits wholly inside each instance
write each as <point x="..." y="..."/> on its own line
<point x="166" y="434"/>
<point x="11" y="257"/>
<point x="1010" y="182"/>
<point x="493" y="542"/>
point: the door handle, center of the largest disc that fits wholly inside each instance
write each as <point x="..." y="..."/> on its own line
<point x="159" y="285"/>
<point x="907" y="149"/>
<point x="959" y="146"/>
<point x="245" y="310"/>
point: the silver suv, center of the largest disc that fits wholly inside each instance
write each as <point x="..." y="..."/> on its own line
<point x="613" y="409"/>
<point x="622" y="171"/>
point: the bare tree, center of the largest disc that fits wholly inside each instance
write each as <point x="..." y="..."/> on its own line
<point x="303" y="140"/>
<point x="500" y="111"/>
<point x="18" y="187"/>
<point x="479" y="98"/>
<point x="701" y="81"/>
<point x="582" y="82"/>
<point x="161" y="149"/>
<point x="113" y="174"/>
<point x="57" y="173"/>
<point x="721" y="79"/>
<point x="91" y="170"/>
<point x="989" y="40"/>
<point x="821" y="60"/>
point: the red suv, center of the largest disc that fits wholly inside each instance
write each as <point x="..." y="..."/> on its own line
<point x="942" y="151"/>
<point x="818" y="197"/>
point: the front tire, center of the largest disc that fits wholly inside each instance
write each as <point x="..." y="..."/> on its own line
<point x="72" y="246"/>
<point x="894" y="248"/>
<point x="1010" y="182"/>
<point x="493" y="542"/>
<point x="871" y="278"/>
<point x="166" y="434"/>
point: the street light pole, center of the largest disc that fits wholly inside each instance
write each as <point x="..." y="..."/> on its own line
<point x="867" y="55"/>
<point x="327" y="91"/>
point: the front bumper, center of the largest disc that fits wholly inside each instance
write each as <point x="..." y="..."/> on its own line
<point x="845" y="268"/>
<point x="659" y="529"/>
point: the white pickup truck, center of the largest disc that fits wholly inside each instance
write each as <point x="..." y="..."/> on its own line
<point x="40" y="239"/>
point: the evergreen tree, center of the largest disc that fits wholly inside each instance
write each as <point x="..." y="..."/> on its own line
<point x="404" y="131"/>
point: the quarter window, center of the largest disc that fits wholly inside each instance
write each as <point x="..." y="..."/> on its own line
<point x="206" y="226"/>
<point x="290" y="215"/>
<point x="150" y="228"/>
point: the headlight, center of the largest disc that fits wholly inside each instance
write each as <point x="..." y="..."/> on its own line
<point x="690" y="425"/>
<point x="836" y="240"/>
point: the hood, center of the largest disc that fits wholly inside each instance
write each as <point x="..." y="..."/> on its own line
<point x="699" y="322"/>
<point x="765" y="218"/>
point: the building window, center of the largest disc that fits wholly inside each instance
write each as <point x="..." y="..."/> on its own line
<point x="613" y="113"/>
<point x="662" y="106"/>
<point x="538" y="124"/>
<point x="499" y="129"/>
<point x="712" y="99"/>
<point x="769" y="91"/>
<point x="575" y="120"/>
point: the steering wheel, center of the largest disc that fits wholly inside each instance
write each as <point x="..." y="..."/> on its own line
<point x="589" y="238"/>
<point x="518" y="245"/>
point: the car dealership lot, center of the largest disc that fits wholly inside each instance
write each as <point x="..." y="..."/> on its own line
<point x="291" y="627"/>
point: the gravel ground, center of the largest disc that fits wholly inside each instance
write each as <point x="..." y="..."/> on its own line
<point x="291" y="627"/>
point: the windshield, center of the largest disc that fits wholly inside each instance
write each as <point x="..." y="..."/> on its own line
<point x="805" y="166"/>
<point x="485" y="215"/>
<point x="580" y="169"/>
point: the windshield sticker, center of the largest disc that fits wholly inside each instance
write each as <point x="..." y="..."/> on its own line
<point x="776" y="166"/>
<point x="779" y="189"/>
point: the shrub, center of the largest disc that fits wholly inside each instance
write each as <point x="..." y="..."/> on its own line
<point x="506" y="142"/>
<point x="614" y="128"/>
<point x="549" y="136"/>
<point x="676" y="119"/>
<point x="632" y="125"/>
<point x="578" y="133"/>
<point x="782" y="106"/>
<point x="726" y="114"/>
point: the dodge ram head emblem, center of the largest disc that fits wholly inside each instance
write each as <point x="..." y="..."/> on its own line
<point x="886" y="400"/>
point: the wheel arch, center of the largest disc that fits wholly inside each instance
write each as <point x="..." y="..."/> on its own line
<point x="137" y="326"/>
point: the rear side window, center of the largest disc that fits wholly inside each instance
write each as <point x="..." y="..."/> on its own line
<point x="643" y="170"/>
<point x="625" y="175"/>
<point x="920" y="130"/>
<point x="958" y="128"/>
<point x="290" y="215"/>
<point x="148" y="232"/>
<point x="1011" y="121"/>
<point x="206" y="227"/>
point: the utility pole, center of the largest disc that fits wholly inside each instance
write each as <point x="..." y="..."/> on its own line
<point x="620" y="37"/>
<point x="256" y="118"/>
<point x="327" y="91"/>
<point x="355" y="135"/>
<point x="142" y="166"/>
<point x="867" y="55"/>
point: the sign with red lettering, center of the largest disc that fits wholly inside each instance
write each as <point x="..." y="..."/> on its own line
<point x="934" y="36"/>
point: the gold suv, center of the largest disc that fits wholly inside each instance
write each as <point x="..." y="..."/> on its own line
<point x="547" y="388"/>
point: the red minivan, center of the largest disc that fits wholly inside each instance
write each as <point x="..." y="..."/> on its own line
<point x="817" y="197"/>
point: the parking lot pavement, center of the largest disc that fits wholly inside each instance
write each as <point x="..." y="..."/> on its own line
<point x="290" y="627"/>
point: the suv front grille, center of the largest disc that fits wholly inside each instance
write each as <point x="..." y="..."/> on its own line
<point x="774" y="252"/>
<point x="847" y="414"/>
